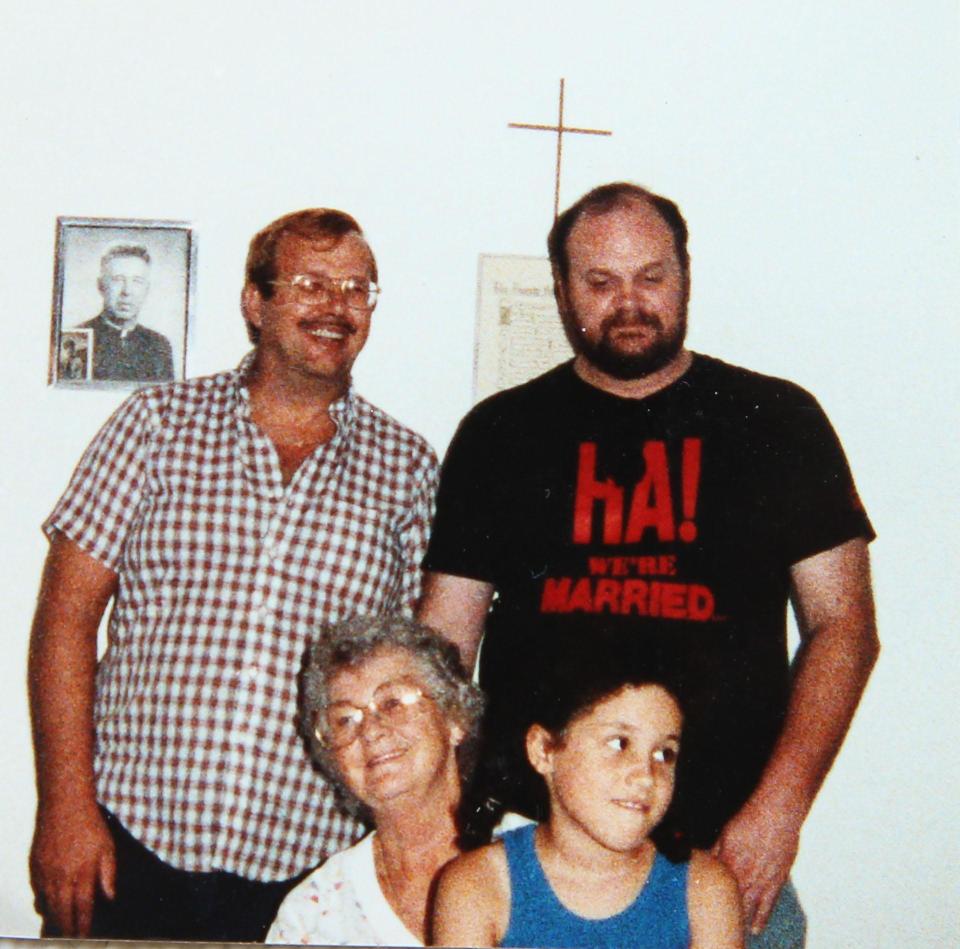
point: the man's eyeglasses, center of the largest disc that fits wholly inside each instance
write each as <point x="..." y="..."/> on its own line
<point x="357" y="293"/>
<point x="393" y="703"/>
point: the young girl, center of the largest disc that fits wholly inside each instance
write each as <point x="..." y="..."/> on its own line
<point x="591" y="876"/>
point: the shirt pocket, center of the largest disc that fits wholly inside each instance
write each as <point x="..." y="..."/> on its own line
<point x="349" y="558"/>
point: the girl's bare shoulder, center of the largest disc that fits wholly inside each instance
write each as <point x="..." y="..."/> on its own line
<point x="472" y="903"/>
<point x="707" y="871"/>
<point x="479" y="871"/>
<point x="713" y="902"/>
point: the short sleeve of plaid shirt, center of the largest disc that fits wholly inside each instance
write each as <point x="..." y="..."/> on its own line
<point x="105" y="493"/>
<point x="225" y="573"/>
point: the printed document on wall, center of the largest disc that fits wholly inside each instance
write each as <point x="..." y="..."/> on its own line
<point x="519" y="334"/>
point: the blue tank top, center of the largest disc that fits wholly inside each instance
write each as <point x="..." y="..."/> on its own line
<point x="657" y="918"/>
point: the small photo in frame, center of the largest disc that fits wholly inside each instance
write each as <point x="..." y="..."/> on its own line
<point x="75" y="356"/>
<point x="122" y="302"/>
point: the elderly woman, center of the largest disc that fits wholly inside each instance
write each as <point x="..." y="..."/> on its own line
<point x="391" y="718"/>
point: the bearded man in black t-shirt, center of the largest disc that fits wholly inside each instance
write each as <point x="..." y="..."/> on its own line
<point x="644" y="500"/>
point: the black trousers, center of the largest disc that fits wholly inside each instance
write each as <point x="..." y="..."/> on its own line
<point x="157" y="901"/>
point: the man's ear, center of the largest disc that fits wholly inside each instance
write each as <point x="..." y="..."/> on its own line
<point x="250" y="303"/>
<point x="540" y="747"/>
<point x="559" y="290"/>
<point x="457" y="734"/>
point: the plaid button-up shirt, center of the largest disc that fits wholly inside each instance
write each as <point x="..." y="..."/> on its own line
<point x="224" y="574"/>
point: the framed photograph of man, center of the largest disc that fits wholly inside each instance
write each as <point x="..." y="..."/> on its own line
<point x="122" y="302"/>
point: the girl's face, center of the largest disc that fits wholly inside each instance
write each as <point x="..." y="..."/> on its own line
<point x="611" y="776"/>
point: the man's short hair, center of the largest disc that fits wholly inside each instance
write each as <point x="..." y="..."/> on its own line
<point x="607" y="198"/>
<point x="124" y="250"/>
<point x="315" y="224"/>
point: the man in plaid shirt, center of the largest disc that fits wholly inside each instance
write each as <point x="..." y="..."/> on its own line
<point x="226" y="517"/>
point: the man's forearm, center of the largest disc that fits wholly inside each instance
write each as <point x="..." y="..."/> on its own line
<point x="62" y="665"/>
<point x="456" y="607"/>
<point x="61" y="675"/>
<point x="839" y="647"/>
<point x="829" y="676"/>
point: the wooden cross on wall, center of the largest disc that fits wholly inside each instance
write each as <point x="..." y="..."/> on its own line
<point x="559" y="128"/>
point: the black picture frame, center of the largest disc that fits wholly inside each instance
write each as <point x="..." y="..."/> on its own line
<point x="99" y="344"/>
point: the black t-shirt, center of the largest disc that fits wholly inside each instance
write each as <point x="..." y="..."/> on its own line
<point x="666" y="524"/>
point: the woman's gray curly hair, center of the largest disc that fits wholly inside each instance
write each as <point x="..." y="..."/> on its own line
<point x="346" y="645"/>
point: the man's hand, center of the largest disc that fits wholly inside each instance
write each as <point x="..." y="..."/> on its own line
<point x="759" y="845"/>
<point x="72" y="855"/>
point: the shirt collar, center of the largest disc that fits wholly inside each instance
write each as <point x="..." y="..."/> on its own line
<point x="123" y="327"/>
<point x="343" y="410"/>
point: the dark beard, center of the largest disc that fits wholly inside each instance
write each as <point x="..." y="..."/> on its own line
<point x="604" y="356"/>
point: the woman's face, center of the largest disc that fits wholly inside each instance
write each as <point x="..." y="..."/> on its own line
<point x="404" y="749"/>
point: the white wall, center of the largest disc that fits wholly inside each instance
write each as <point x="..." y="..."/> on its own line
<point x="812" y="146"/>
